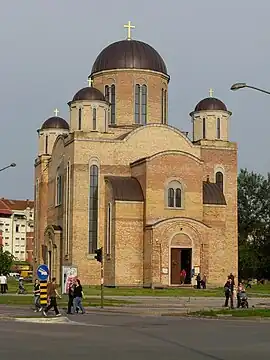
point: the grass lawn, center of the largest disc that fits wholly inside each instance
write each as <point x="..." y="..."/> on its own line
<point x="27" y="300"/>
<point x="255" y="291"/>
<point x="235" y="313"/>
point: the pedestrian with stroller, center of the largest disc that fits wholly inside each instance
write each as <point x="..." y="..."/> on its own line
<point x="203" y="282"/>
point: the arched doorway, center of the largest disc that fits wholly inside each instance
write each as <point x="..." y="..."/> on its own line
<point x="180" y="259"/>
<point x="53" y="250"/>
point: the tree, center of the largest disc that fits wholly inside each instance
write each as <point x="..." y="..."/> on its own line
<point x="6" y="260"/>
<point x="254" y="224"/>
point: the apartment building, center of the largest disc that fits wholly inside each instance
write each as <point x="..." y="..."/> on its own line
<point x="17" y="228"/>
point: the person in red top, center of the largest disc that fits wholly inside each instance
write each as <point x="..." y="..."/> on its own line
<point x="183" y="275"/>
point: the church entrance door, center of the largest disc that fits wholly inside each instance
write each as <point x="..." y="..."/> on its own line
<point x="180" y="259"/>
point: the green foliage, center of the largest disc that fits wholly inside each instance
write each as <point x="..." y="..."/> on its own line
<point x="254" y="224"/>
<point x="6" y="261"/>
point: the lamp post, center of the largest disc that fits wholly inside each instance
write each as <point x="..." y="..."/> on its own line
<point x="239" y="86"/>
<point x="7" y="167"/>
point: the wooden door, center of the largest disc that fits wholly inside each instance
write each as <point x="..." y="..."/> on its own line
<point x="175" y="266"/>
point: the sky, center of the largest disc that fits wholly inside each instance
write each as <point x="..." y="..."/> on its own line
<point x="48" y="48"/>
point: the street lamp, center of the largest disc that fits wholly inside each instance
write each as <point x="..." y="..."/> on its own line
<point x="238" y="86"/>
<point x="7" y="167"/>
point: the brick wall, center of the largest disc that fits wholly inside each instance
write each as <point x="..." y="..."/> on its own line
<point x="29" y="247"/>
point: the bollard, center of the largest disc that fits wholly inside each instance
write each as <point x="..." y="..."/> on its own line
<point x="43" y="293"/>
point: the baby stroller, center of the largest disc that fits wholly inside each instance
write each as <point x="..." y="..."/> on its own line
<point x="242" y="300"/>
<point x="21" y="289"/>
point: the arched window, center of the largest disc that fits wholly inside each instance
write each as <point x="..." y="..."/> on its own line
<point x="219" y="179"/>
<point x="67" y="208"/>
<point x="110" y="97"/>
<point x="46" y="144"/>
<point x="144" y="105"/>
<point x="203" y="129"/>
<point x="174" y="195"/>
<point x="170" y="197"/>
<point x="94" y="119"/>
<point x="162" y="106"/>
<point x="58" y="190"/>
<point x="107" y="93"/>
<point x="93" y="209"/>
<point x="113" y="104"/>
<point x="80" y="120"/>
<point x="165" y="107"/>
<point x="137" y="103"/>
<point x="218" y="128"/>
<point x="178" y="202"/>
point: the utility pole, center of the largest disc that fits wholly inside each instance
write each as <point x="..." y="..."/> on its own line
<point x="99" y="258"/>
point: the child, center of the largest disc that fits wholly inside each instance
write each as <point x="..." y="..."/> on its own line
<point x="240" y="291"/>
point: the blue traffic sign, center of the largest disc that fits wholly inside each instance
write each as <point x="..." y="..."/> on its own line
<point x="43" y="272"/>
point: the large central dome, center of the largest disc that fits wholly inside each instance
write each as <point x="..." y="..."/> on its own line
<point x="129" y="54"/>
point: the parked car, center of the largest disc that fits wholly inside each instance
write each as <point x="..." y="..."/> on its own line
<point x="14" y="275"/>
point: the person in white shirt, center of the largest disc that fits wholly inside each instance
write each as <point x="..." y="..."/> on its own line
<point x="3" y="283"/>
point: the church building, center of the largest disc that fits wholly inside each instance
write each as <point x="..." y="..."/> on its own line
<point x="116" y="175"/>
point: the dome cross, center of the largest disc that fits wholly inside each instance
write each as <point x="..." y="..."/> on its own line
<point x="211" y="92"/>
<point x="128" y="26"/>
<point x="56" y="112"/>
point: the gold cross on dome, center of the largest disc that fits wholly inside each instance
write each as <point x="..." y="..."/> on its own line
<point x="56" y="111"/>
<point x="128" y="26"/>
<point x="211" y="92"/>
<point x="90" y="82"/>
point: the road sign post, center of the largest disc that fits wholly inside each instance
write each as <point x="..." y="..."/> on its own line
<point x="99" y="258"/>
<point x="43" y="275"/>
<point x="101" y="285"/>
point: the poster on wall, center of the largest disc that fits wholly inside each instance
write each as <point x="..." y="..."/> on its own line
<point x="69" y="273"/>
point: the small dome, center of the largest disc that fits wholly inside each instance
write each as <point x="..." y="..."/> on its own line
<point x="55" y="122"/>
<point x="210" y="103"/>
<point x="89" y="93"/>
<point x="129" y="54"/>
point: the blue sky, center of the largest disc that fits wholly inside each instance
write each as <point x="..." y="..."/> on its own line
<point x="48" y="48"/>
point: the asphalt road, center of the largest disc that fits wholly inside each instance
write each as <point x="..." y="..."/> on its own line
<point x="129" y="337"/>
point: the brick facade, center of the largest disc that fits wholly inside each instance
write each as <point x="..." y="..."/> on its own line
<point x="142" y="229"/>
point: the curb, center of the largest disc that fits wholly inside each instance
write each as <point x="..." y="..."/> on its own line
<point x="63" y="320"/>
<point x="139" y="313"/>
<point x="231" y="317"/>
<point x="49" y="320"/>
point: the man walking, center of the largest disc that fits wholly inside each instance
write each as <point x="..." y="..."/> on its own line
<point x="52" y="294"/>
<point x="3" y="283"/>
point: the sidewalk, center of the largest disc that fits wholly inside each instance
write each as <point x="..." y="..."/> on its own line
<point x="149" y="306"/>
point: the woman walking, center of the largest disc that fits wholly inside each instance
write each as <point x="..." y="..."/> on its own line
<point x="78" y="296"/>
<point x="37" y="296"/>
<point x="70" y="297"/>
